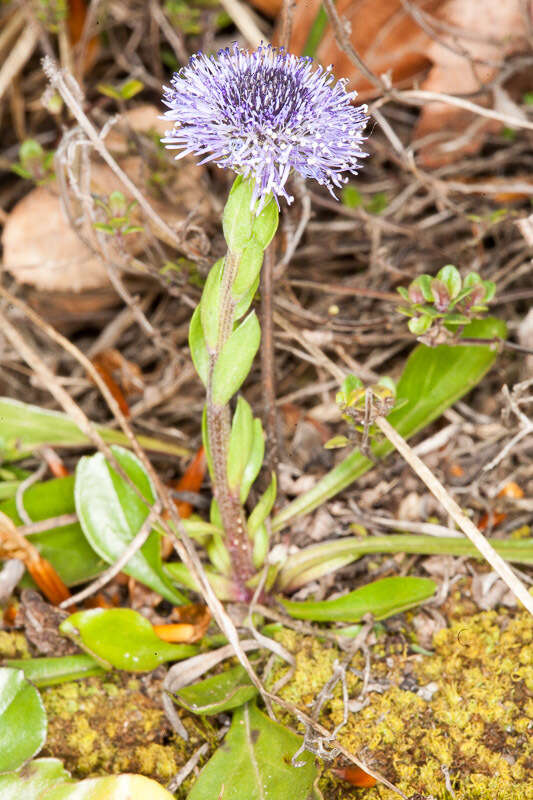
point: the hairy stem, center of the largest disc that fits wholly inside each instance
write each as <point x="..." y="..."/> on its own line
<point x="218" y="428"/>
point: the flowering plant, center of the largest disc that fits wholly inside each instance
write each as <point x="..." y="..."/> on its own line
<point x="263" y="114"/>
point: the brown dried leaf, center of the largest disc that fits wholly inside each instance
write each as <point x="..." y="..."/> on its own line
<point x="42" y="249"/>
<point x="453" y="47"/>
<point x="41" y="622"/>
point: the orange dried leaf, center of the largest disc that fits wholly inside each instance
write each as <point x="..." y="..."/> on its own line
<point x="492" y="519"/>
<point x="457" y="471"/>
<point x="55" y="463"/>
<point x="190" y="481"/>
<point x="14" y="545"/>
<point x="77" y="15"/>
<point x="178" y="633"/>
<point x="193" y="613"/>
<point x="511" y="490"/>
<point x="110" y="363"/>
<point x="354" y="775"/>
<point x="193" y="623"/>
<point x="48" y="581"/>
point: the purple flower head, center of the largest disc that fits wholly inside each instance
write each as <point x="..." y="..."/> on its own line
<point x="264" y="114"/>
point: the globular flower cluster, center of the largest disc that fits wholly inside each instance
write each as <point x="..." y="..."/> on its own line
<point x="264" y="114"/>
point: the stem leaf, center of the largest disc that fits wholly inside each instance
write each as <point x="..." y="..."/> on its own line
<point x="235" y="360"/>
<point x="198" y="347"/>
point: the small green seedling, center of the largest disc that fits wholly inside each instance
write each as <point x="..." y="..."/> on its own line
<point x="35" y="163"/>
<point x="439" y="307"/>
<point x="117" y="212"/>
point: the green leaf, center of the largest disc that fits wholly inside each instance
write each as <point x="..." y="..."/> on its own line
<point x="261" y="546"/>
<point x="49" y="671"/>
<point x="321" y="559"/>
<point x="66" y="548"/>
<point x="402" y="291"/>
<point x="198" y="347"/>
<point x="235" y="360"/>
<point x="266" y="223"/>
<point x="316" y="33"/>
<point x="434" y="378"/>
<point x="112" y="787"/>
<point x="111" y="515"/>
<point x="210" y="304"/>
<point x="377" y="203"/>
<point x="246" y="300"/>
<point x="25" y="428"/>
<point x="490" y="291"/>
<point x="255" y="461"/>
<point x="22" y="720"/>
<point x="250" y="264"/>
<point x="450" y="276"/>
<point x="199" y="530"/>
<point x="423" y="282"/>
<point x="336" y="441"/>
<point x="240" y="443"/>
<point x="351" y="197"/>
<point x="222" y="585"/>
<point x="131" y="88"/>
<point x="21" y="171"/>
<point x="31" y="150"/>
<point x="218" y="554"/>
<point x="222" y="692"/>
<point x="32" y="781"/>
<point x="104" y="227"/>
<point x="254" y="762"/>
<point x="109" y="91"/>
<point x="238" y="217"/>
<point x="263" y="507"/>
<point x="381" y="598"/>
<point x="419" y="325"/>
<point x="122" y="638"/>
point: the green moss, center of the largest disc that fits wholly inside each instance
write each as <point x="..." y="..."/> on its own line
<point x="13" y="645"/>
<point x="105" y="726"/>
<point x="478" y="723"/>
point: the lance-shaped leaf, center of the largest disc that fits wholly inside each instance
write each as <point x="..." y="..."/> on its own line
<point x="312" y="562"/>
<point x="111" y="515"/>
<point x="254" y="762"/>
<point x="235" y="360"/>
<point x="263" y="507"/>
<point x="22" y="720"/>
<point x="56" y="669"/>
<point x="210" y="304"/>
<point x="25" y="428"/>
<point x="238" y="216"/>
<point x="249" y="268"/>
<point x="223" y="692"/>
<point x="381" y="598"/>
<point x="255" y="460"/>
<point x="198" y="347"/>
<point x="240" y="443"/>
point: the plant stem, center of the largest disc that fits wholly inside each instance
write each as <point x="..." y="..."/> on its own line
<point x="218" y="429"/>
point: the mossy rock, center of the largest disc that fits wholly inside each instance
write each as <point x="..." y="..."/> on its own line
<point x="476" y="720"/>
